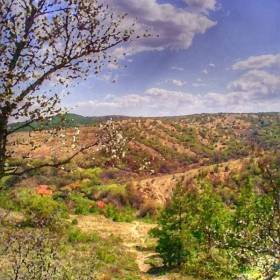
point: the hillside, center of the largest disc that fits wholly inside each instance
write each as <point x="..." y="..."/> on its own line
<point x="172" y="150"/>
<point x="168" y="145"/>
<point x="180" y="143"/>
<point x="110" y="205"/>
<point x="67" y="120"/>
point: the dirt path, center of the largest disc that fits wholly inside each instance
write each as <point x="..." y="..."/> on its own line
<point x="134" y="235"/>
<point x="138" y="243"/>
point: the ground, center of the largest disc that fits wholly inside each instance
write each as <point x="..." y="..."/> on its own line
<point x="135" y="238"/>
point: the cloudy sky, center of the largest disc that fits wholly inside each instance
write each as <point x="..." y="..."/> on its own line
<point x="210" y="56"/>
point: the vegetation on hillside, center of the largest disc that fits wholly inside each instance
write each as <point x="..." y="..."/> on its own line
<point x="222" y="221"/>
<point x="42" y="242"/>
<point x="209" y="239"/>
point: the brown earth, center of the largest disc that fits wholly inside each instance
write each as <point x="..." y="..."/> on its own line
<point x="160" y="188"/>
<point x="134" y="237"/>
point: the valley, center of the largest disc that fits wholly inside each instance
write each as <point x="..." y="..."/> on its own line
<point x="111" y="202"/>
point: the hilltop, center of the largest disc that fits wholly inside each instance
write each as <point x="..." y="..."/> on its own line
<point x="177" y="144"/>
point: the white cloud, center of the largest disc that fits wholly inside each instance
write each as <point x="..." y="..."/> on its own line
<point x="202" y="5"/>
<point x="170" y="99"/>
<point x="176" y="27"/>
<point x="177" y="68"/>
<point x="198" y="84"/>
<point x="109" y="96"/>
<point x="257" y="62"/>
<point x="106" y="77"/>
<point x="178" y="102"/>
<point x="198" y="80"/>
<point x="178" y="83"/>
<point x="109" y="77"/>
<point x="130" y="100"/>
<point x="195" y="84"/>
<point x="95" y="104"/>
<point x="205" y="71"/>
<point x="212" y="65"/>
<point x="257" y="83"/>
<point x="212" y="99"/>
<point x="159" y="102"/>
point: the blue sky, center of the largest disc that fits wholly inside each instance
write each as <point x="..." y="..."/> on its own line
<point x="211" y="56"/>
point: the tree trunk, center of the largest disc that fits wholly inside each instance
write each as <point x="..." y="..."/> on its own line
<point x="3" y="140"/>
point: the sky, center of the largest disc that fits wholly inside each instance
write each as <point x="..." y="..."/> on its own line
<point x="211" y="56"/>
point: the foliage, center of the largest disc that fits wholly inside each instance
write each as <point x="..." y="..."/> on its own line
<point x="75" y="236"/>
<point x="30" y="254"/>
<point x="40" y="211"/>
<point x="112" y="193"/>
<point x="198" y="233"/>
<point x="170" y="144"/>
<point x="7" y="203"/>
<point x="189" y="230"/>
<point x="118" y="214"/>
<point x="41" y="253"/>
<point x="255" y="233"/>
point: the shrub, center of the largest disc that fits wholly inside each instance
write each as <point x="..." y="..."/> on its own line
<point x="76" y="236"/>
<point x="40" y="211"/>
<point x="118" y="215"/>
<point x="149" y="208"/>
<point x="82" y="208"/>
<point x="7" y="203"/>
<point x="41" y="254"/>
<point x="30" y="254"/>
<point x="114" y="194"/>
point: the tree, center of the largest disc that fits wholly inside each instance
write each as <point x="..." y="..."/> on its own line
<point x="44" y="40"/>
<point x="254" y="237"/>
<point x="174" y="241"/>
<point x="190" y="230"/>
<point x="210" y="240"/>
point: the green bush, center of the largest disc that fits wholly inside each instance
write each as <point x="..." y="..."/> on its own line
<point x="7" y="203"/>
<point x="40" y="211"/>
<point x="114" y="193"/>
<point x="30" y="253"/>
<point x="77" y="236"/>
<point x="118" y="215"/>
<point x="84" y="206"/>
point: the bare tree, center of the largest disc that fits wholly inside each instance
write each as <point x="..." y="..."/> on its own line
<point x="50" y="40"/>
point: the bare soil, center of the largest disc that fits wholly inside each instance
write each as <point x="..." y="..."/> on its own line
<point x="134" y="237"/>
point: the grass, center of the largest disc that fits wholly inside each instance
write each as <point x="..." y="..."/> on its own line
<point x="85" y="255"/>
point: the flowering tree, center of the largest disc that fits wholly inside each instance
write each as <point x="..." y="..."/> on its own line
<point x="44" y="41"/>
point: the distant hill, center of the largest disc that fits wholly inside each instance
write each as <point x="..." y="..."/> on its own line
<point x="177" y="144"/>
<point x="69" y="120"/>
<point x="81" y="120"/>
<point x="184" y="142"/>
